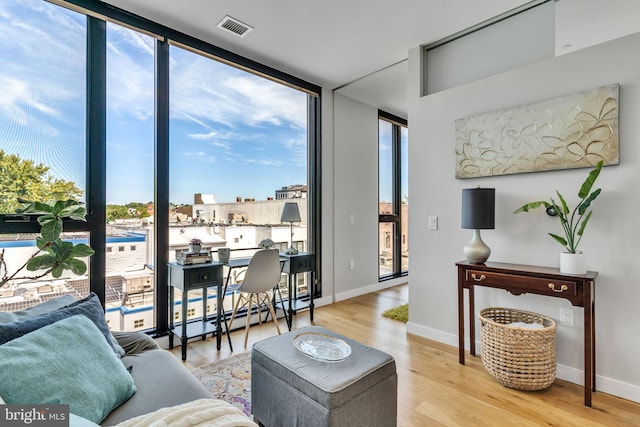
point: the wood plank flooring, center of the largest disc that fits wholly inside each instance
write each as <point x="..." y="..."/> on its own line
<point x="433" y="388"/>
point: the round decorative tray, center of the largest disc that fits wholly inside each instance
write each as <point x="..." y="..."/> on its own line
<point x="322" y="347"/>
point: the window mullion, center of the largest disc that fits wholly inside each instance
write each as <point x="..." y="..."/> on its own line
<point x="96" y="151"/>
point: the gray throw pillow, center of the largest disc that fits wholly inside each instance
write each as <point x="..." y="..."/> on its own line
<point x="89" y="307"/>
<point x="43" y="307"/>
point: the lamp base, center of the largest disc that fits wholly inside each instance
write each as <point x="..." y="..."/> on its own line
<point x="477" y="252"/>
<point x="291" y="251"/>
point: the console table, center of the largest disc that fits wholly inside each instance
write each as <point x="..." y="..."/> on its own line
<point x="189" y="277"/>
<point x="301" y="262"/>
<point x="520" y="279"/>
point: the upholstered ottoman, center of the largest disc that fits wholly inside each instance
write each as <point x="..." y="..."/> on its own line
<point x="290" y="388"/>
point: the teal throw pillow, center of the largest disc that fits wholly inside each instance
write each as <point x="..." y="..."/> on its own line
<point x="89" y="307"/>
<point x="67" y="362"/>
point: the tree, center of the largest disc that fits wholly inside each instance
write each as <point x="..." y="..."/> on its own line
<point x="23" y="179"/>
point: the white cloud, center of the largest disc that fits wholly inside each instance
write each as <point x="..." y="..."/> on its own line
<point x="209" y="135"/>
<point x="212" y="91"/>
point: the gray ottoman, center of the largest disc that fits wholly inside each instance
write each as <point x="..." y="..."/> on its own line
<point x="289" y="389"/>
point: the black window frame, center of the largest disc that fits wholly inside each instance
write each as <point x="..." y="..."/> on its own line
<point x="98" y="13"/>
<point x="395" y="217"/>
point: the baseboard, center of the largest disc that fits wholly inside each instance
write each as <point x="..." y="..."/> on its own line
<point x="319" y="302"/>
<point x="567" y="373"/>
<point x="341" y="296"/>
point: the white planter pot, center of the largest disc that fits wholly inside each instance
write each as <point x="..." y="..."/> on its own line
<point x="572" y="263"/>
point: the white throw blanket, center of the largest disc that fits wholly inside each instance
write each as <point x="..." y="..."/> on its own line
<point x="201" y="412"/>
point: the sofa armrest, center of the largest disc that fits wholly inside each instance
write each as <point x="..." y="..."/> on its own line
<point x="134" y="342"/>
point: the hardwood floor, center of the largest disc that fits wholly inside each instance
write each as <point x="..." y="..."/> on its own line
<point x="433" y="388"/>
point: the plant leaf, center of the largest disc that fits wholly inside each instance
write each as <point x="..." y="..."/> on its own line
<point x="559" y="239"/>
<point x="41" y="262"/>
<point x="77" y="212"/>
<point x="76" y="266"/>
<point x="51" y="230"/>
<point x="35" y="207"/>
<point x="532" y="205"/>
<point x="46" y="218"/>
<point x="81" y="250"/>
<point x="585" y="205"/>
<point x="57" y="271"/>
<point x="584" y="223"/>
<point x="591" y="179"/>
<point x="565" y="208"/>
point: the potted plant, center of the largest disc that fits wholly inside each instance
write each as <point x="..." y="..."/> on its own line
<point x="195" y="245"/>
<point x="573" y="222"/>
<point x="53" y="255"/>
<point x="266" y="244"/>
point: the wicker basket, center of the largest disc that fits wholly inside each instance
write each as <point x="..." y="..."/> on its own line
<point x="518" y="357"/>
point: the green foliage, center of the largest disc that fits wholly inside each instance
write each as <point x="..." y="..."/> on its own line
<point x="23" y="179"/>
<point x="573" y="222"/>
<point x="115" y="212"/>
<point x="54" y="255"/>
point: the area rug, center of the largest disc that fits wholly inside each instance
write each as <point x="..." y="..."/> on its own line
<point x="229" y="380"/>
<point x="400" y="313"/>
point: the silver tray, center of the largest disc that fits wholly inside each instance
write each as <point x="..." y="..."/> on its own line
<point x="322" y="346"/>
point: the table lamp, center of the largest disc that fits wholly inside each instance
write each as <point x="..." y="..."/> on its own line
<point x="291" y="214"/>
<point x="478" y="213"/>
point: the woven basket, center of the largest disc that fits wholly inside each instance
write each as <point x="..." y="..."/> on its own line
<point x="518" y="357"/>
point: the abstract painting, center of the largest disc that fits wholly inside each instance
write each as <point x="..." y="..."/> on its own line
<point x="571" y="131"/>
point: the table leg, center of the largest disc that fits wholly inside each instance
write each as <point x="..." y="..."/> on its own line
<point x="593" y="341"/>
<point x="171" y="308"/>
<point x="460" y="323"/>
<point x="312" y="289"/>
<point x="289" y="317"/>
<point x="472" y="322"/>
<point x="219" y="299"/>
<point x="183" y="338"/>
<point x="204" y="313"/>
<point x="588" y="346"/>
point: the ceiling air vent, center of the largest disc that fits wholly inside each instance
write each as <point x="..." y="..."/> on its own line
<point x="238" y="28"/>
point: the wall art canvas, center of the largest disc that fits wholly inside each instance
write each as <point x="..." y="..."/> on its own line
<point x="571" y="131"/>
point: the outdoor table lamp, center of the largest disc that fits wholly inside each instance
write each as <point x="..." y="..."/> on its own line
<point x="478" y="212"/>
<point x="291" y="214"/>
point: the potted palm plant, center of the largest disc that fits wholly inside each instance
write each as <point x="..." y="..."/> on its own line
<point x="573" y="221"/>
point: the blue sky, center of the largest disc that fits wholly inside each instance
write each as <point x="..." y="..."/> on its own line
<point x="232" y="133"/>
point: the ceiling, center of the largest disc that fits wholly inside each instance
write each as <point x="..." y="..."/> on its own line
<point x="331" y="43"/>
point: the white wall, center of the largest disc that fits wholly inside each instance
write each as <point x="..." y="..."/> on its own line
<point x="610" y="240"/>
<point x="355" y="192"/>
<point x="582" y="23"/>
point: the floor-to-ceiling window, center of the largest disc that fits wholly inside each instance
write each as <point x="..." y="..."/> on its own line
<point x="237" y="139"/>
<point x="85" y="114"/>
<point x="393" y="196"/>
<point x="130" y="255"/>
<point x="42" y="137"/>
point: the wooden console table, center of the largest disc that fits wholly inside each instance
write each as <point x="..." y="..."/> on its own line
<point x="520" y="279"/>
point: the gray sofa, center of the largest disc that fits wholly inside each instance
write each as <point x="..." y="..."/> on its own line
<point x="160" y="378"/>
<point x="62" y="350"/>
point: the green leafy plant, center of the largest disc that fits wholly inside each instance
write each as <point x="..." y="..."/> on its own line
<point x="573" y="221"/>
<point x="54" y="255"/>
